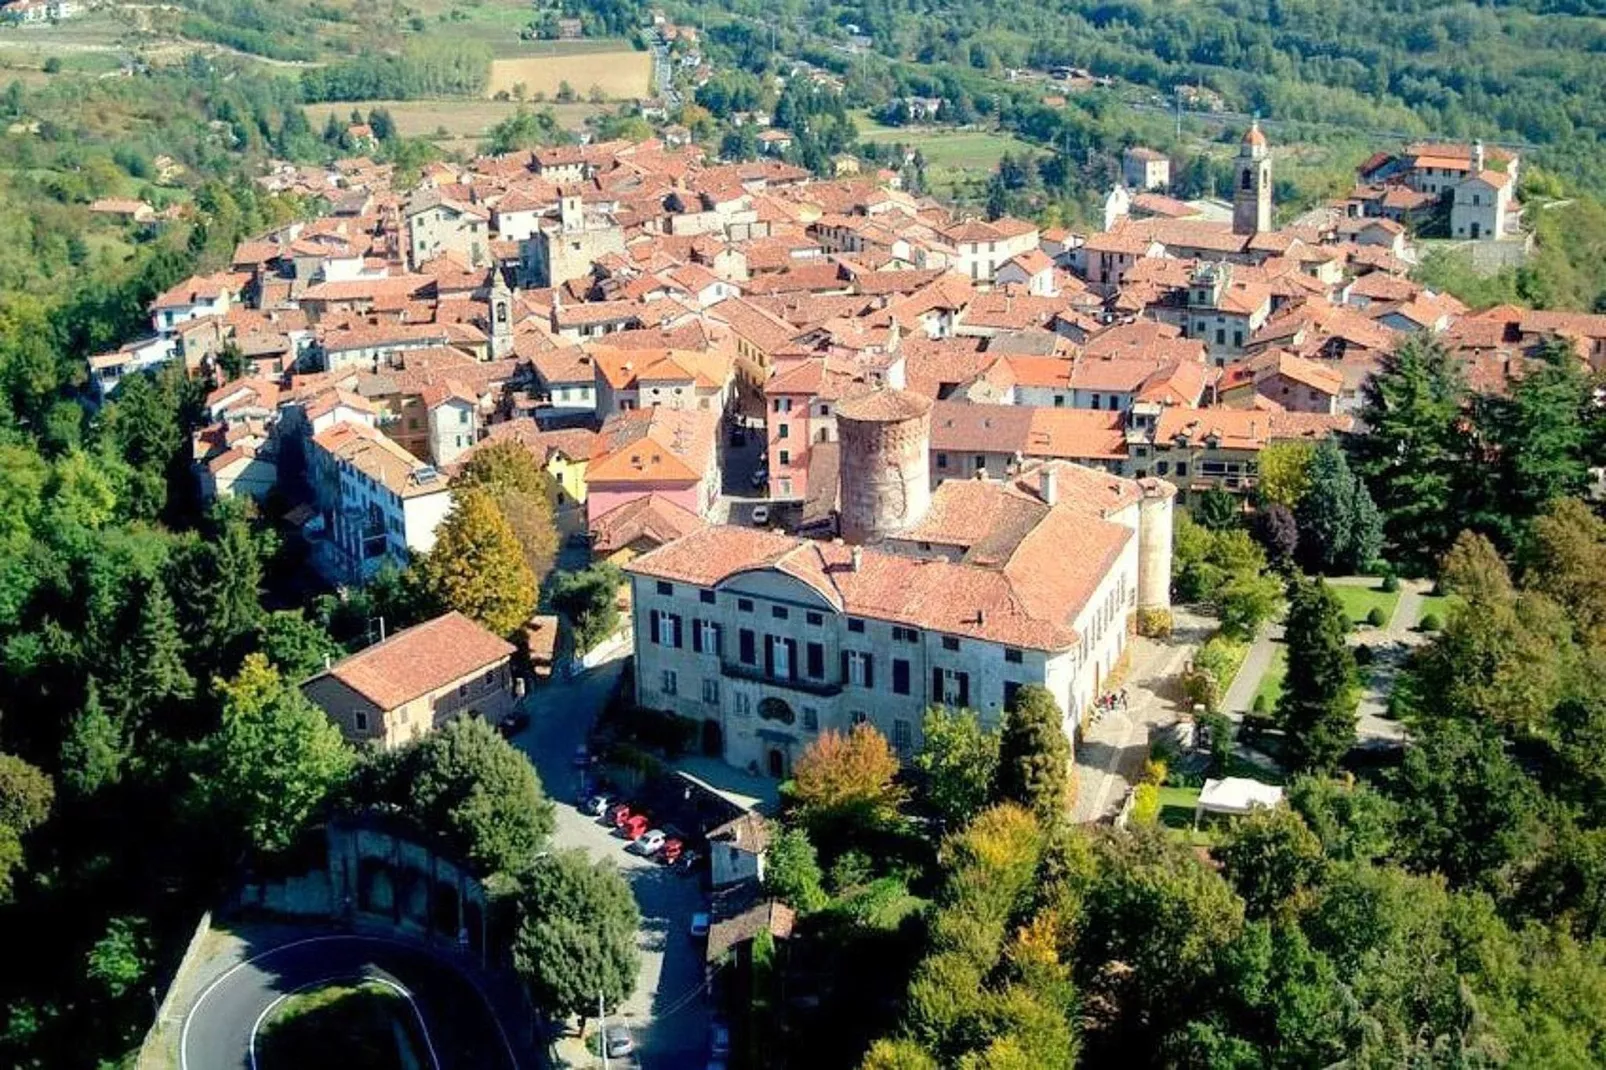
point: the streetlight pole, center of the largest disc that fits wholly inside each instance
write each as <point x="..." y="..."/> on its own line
<point x="602" y="1030"/>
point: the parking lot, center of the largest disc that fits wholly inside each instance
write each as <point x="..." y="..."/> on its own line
<point x="668" y="1013"/>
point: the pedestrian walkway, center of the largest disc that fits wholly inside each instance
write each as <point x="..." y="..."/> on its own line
<point x="1110" y="757"/>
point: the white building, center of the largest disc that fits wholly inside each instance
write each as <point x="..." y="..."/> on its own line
<point x="767" y="640"/>
<point x="1481" y="208"/>
<point x="1145" y="169"/>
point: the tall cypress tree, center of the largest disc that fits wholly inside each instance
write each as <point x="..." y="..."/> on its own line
<point x="1317" y="707"/>
<point x="1034" y="757"/>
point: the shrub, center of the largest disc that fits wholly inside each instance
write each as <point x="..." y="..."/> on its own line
<point x="1430" y="622"/>
<point x="1259" y="705"/>
<point x="1377" y="618"/>
<point x="1154" y="623"/>
<point x="1145" y="804"/>
<point x="1154" y="771"/>
<point x="1363" y="655"/>
<point x="1390" y="584"/>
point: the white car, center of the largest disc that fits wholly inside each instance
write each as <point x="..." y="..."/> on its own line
<point x="699" y="925"/>
<point x="597" y="805"/>
<point x="761" y="515"/>
<point x="651" y="842"/>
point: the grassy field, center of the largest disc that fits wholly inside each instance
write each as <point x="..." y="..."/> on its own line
<point x="1436" y="604"/>
<point x="367" y="1026"/>
<point x="619" y="74"/>
<point x="1176" y="813"/>
<point x="1271" y="684"/>
<point x="945" y="148"/>
<point x="1359" y="601"/>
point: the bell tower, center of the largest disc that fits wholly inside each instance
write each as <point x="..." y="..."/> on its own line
<point x="1251" y="198"/>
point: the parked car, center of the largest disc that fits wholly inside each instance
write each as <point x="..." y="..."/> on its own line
<point x="719" y="1040"/>
<point x="617" y="815"/>
<point x="650" y="842"/>
<point x="597" y="805"/>
<point x="617" y="1041"/>
<point x="760" y="477"/>
<point x="699" y="925"/>
<point x="513" y="724"/>
<point x="761" y="515"/>
<point x="635" y="827"/>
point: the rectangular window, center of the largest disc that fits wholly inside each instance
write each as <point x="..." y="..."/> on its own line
<point x="362" y="721"/>
<point x="814" y="619"/>
<point x="785" y="457"/>
<point x="856" y="717"/>
<point x="745" y="605"/>
<point x="1012" y="655"/>
<point x="705" y="597"/>
<point x="855" y="624"/>
<point x="1011" y="693"/>
<point x="981" y="461"/>
<point x="706" y="636"/>
<point x="670" y="683"/>
<point x="811" y="719"/>
<point x="905" y="635"/>
<point x="780" y="652"/>
<point x="785" y="431"/>
<point x="900" y="676"/>
<point x="942" y="460"/>
<point x="1221" y="336"/>
<point x="665" y="587"/>
<point x="711" y="690"/>
<point x="1182" y="469"/>
<point x="815" y="658"/>
<point x="742" y="703"/>
<point x="779" y="612"/>
<point x="665" y="629"/>
<point x="902" y="736"/>
<point x="858" y="667"/>
<point x="950" y="643"/>
<point x="950" y="687"/>
<point x="748" y="647"/>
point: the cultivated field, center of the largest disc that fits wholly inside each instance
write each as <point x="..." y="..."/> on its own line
<point x="621" y="74"/>
<point x="462" y="120"/>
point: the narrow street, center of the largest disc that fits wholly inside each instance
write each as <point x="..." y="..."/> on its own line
<point x="668" y="1013"/>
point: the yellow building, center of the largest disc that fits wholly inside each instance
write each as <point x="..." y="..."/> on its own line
<point x="563" y="453"/>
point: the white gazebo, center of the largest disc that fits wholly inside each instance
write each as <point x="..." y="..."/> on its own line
<point x="1235" y="795"/>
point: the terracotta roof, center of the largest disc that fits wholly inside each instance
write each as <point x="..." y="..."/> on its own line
<point x="1075" y="434"/>
<point x="654" y="445"/>
<point x="884" y="406"/>
<point x="421" y="659"/>
<point x="651" y="517"/>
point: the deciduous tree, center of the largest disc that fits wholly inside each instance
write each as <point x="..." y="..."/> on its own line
<point x="792" y="870"/>
<point x="524" y="493"/>
<point x="959" y="760"/>
<point x="1284" y="474"/>
<point x="576" y="942"/>
<point x="1267" y="856"/>
<point x="848" y="779"/>
<point x="477" y="565"/>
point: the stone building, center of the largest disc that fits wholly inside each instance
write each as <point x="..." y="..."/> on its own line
<point x="1251" y="198"/>
<point x="554" y="255"/>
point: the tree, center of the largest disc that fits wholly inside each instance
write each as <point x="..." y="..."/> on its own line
<point x="217" y="580"/>
<point x="1538" y="435"/>
<point x="1268" y="855"/>
<point x="1284" y="474"/>
<point x="1246" y="601"/>
<point x="297" y="647"/>
<point x="1339" y="526"/>
<point x="121" y="958"/>
<point x="1317" y="706"/>
<point x="274" y="761"/>
<point x="959" y="760"/>
<point x="1353" y="821"/>
<point x="1566" y="560"/>
<point x="1034" y="756"/>
<point x="94" y="749"/>
<point x="792" y="871"/>
<point x="524" y="492"/>
<point x="150" y="673"/>
<point x="1410" y="455"/>
<point x="475" y="790"/>
<point x="576" y="941"/>
<point x="26" y="795"/>
<point x="477" y="566"/>
<point x="897" y="1055"/>
<point x="848" y="780"/>
<point x="1277" y="530"/>
<point x="1218" y="510"/>
<point x="590" y="599"/>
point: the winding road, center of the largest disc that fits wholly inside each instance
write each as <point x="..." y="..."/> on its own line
<point x="463" y="1030"/>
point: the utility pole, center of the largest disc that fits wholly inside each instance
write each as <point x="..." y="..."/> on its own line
<point x="1179" y="111"/>
<point x="602" y="1030"/>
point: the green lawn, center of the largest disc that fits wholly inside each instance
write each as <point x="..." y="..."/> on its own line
<point x="1176" y="814"/>
<point x="946" y="149"/>
<point x="1271" y="684"/>
<point x="1436" y="604"/>
<point x="1359" y="601"/>
<point x="366" y="1026"/>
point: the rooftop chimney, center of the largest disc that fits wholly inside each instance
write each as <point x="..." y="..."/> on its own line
<point x="1048" y="485"/>
<point x="856" y="559"/>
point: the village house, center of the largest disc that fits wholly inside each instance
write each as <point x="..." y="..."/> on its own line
<point x="408" y="685"/>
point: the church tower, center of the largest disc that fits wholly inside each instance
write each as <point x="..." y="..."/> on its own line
<point x="501" y="301"/>
<point x="1251" y="199"/>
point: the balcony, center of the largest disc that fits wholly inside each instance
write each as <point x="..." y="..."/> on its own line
<point x="735" y="670"/>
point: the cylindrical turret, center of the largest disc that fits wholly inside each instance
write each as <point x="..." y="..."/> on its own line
<point x="1154" y="543"/>
<point x="885" y="478"/>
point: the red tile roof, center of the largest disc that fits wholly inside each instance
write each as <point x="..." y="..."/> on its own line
<point x="414" y="662"/>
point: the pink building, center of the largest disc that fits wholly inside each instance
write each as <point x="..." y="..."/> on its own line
<point x="673" y="453"/>
<point x="800" y="410"/>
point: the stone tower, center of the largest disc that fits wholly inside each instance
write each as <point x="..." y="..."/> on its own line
<point x="501" y="316"/>
<point x="1251" y="198"/>
<point x="885" y="473"/>
<point x="1155" y="515"/>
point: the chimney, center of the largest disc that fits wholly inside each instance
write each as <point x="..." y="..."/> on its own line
<point x="856" y="559"/>
<point x="1477" y="157"/>
<point x="1048" y="485"/>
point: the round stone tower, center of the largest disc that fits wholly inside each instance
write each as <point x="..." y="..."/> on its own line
<point x="1154" y="543"/>
<point x="885" y="474"/>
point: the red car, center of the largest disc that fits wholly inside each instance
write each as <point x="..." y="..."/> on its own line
<point x="634" y="826"/>
<point x="670" y="852"/>
<point x="619" y="815"/>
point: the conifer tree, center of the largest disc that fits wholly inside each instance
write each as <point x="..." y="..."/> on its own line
<point x="1317" y="707"/>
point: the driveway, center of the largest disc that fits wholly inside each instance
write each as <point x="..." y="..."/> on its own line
<point x="667" y="1011"/>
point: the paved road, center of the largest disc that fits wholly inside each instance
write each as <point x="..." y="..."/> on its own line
<point x="668" y="1012"/>
<point x="222" y="1024"/>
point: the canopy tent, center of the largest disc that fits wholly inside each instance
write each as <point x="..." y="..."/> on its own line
<point x="1235" y="795"/>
